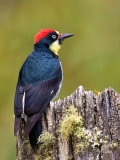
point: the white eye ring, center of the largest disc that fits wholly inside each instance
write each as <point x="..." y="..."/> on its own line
<point x="54" y="36"/>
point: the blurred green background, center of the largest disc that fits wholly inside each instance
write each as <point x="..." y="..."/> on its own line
<point x="91" y="58"/>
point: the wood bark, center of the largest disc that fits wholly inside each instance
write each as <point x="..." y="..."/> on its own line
<point x="98" y="110"/>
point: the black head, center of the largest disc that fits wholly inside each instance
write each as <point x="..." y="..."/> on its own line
<point x="51" y="39"/>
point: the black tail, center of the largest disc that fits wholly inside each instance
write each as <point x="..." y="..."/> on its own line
<point x="34" y="134"/>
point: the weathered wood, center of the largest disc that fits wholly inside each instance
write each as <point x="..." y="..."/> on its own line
<point x="101" y="119"/>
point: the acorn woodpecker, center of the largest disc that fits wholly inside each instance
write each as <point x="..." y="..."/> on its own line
<point x="39" y="82"/>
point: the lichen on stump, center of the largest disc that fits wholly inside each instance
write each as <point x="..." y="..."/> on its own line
<point x="91" y="121"/>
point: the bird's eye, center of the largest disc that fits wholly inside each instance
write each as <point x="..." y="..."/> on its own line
<point x="54" y="36"/>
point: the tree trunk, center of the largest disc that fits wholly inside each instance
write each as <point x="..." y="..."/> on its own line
<point x="99" y="135"/>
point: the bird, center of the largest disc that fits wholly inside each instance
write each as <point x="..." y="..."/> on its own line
<point x="39" y="82"/>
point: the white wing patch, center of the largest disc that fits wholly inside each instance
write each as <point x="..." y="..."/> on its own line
<point x="51" y="92"/>
<point x="23" y="102"/>
<point x="23" y="115"/>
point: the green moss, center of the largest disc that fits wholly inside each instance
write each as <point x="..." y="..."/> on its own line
<point x="47" y="141"/>
<point x="46" y="138"/>
<point x="72" y="124"/>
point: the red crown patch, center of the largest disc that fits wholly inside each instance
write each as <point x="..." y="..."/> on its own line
<point x="41" y="34"/>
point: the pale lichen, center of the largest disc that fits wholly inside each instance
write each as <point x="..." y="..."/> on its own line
<point x="72" y="124"/>
<point x="113" y="145"/>
<point x="25" y="145"/>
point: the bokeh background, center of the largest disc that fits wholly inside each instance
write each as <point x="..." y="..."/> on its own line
<point x="91" y="58"/>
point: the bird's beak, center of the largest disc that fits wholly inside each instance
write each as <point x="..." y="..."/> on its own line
<point x="64" y="36"/>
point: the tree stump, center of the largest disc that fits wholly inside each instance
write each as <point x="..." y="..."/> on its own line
<point x="99" y="130"/>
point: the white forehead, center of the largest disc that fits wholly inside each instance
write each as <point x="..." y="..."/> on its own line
<point x="57" y="32"/>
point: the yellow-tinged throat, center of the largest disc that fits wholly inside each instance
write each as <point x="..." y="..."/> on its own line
<point x="55" y="47"/>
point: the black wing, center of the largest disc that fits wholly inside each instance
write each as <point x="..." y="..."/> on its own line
<point x="37" y="98"/>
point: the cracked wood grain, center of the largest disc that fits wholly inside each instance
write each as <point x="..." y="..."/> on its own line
<point x="101" y="110"/>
